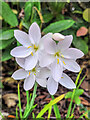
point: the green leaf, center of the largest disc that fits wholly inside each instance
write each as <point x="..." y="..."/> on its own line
<point x="4" y="43"/>
<point x="59" y="26"/>
<point x="6" y="53"/>
<point x="79" y="92"/>
<point x="86" y="14"/>
<point x="81" y="44"/>
<point x="77" y="100"/>
<point x="8" y="15"/>
<point x="68" y="95"/>
<point x="47" y="17"/>
<point x="49" y="105"/>
<point x="28" y="10"/>
<point x="8" y="34"/>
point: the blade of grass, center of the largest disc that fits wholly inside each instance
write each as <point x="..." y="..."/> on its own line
<point x="56" y="110"/>
<point x="81" y="81"/>
<point x="27" y="94"/>
<point x="16" y="113"/>
<point x="83" y="114"/>
<point x="32" y="101"/>
<point x="70" y="105"/>
<point x="49" y="112"/>
<point x="19" y="102"/>
<point x="50" y="104"/>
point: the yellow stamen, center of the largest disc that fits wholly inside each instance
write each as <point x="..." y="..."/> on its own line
<point x="32" y="53"/>
<point x="57" y="61"/>
<point x="29" y="46"/>
<point x="34" y="73"/>
<point x="35" y="46"/>
<point x="64" y="63"/>
<point x="61" y="77"/>
<point x="62" y="56"/>
<point x="29" y="73"/>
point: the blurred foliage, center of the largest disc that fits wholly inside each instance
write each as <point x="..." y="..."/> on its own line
<point x="63" y="17"/>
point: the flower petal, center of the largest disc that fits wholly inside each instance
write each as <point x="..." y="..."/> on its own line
<point x="45" y="59"/>
<point x="20" y="62"/>
<point x="58" y="37"/>
<point x="42" y="76"/>
<point x="34" y="33"/>
<point x="50" y="45"/>
<point x="73" y="53"/>
<point x="31" y="61"/>
<point x="29" y="82"/>
<point x="64" y="44"/>
<point x="22" y="38"/>
<point x="56" y="71"/>
<point x="67" y="82"/>
<point x="52" y="86"/>
<point x="21" y="52"/>
<point x="43" y="39"/>
<point x="19" y="74"/>
<point x="70" y="65"/>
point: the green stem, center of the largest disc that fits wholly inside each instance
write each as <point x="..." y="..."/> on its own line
<point x="70" y="105"/>
<point x="32" y="101"/>
<point x="19" y="102"/>
<point x="27" y="94"/>
<point x="81" y="81"/>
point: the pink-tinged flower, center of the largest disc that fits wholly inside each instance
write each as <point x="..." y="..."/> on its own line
<point x="31" y="46"/>
<point x="65" y="81"/>
<point x="60" y="56"/>
<point x="37" y="74"/>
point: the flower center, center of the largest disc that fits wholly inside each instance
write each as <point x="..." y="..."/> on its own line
<point x="57" y="54"/>
<point x="35" y="47"/>
<point x="34" y="71"/>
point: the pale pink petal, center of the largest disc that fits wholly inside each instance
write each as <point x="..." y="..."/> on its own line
<point x="19" y="74"/>
<point x="73" y="53"/>
<point x="64" y="44"/>
<point x="21" y="52"/>
<point x="22" y="38"/>
<point x="52" y="86"/>
<point x="29" y="82"/>
<point x="56" y="70"/>
<point x="20" y="62"/>
<point x="45" y="59"/>
<point x="70" y="65"/>
<point x="31" y="61"/>
<point x="50" y="45"/>
<point x="67" y="82"/>
<point x="34" y="33"/>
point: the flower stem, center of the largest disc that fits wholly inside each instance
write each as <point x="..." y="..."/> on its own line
<point x="27" y="94"/>
<point x="32" y="101"/>
<point x="19" y="102"/>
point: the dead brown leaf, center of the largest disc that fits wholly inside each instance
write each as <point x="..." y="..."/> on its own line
<point x="10" y="99"/>
<point x="82" y="31"/>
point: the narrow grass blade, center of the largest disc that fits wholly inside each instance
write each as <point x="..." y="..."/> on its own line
<point x="19" y="102"/>
<point x="49" y="112"/>
<point x="56" y="110"/>
<point x="50" y="104"/>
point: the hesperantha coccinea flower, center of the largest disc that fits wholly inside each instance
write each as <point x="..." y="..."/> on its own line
<point x="31" y="45"/>
<point x="60" y="56"/>
<point x="37" y="74"/>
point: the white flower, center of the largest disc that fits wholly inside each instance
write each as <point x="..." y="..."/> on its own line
<point x="32" y="45"/>
<point x="59" y="56"/>
<point x="65" y="80"/>
<point x="37" y="74"/>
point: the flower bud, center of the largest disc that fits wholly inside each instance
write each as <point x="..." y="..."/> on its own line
<point x="58" y="37"/>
